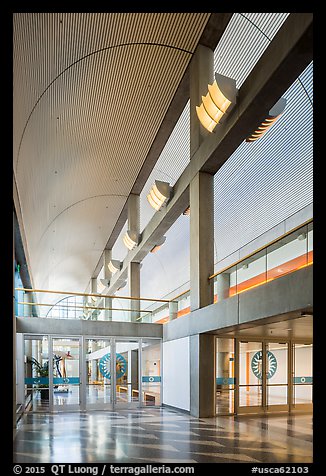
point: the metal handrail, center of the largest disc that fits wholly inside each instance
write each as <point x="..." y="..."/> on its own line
<point x="91" y="294"/>
<point x="63" y="306"/>
<point x="250" y="254"/>
<point x="261" y="248"/>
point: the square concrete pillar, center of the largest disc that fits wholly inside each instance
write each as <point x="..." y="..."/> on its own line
<point x="94" y="291"/>
<point x="202" y="375"/>
<point x="134" y="289"/>
<point x="134" y="212"/>
<point x="222" y="286"/>
<point x="107" y="256"/>
<point x="134" y="268"/>
<point x="173" y="310"/>
<point x="201" y="240"/>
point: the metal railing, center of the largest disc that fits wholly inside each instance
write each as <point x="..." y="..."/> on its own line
<point x="47" y="303"/>
<point x="286" y="254"/>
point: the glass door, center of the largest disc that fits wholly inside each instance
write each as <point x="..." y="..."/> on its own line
<point x="65" y="360"/>
<point x="225" y="383"/>
<point x="302" y="376"/>
<point x="98" y="373"/>
<point x="126" y="361"/>
<point x="252" y="364"/>
<point x="151" y="381"/>
<point x="277" y="376"/>
<point x="36" y="373"/>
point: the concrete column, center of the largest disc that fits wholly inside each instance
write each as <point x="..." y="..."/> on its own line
<point x="35" y="349"/>
<point x="222" y="364"/>
<point x="134" y="268"/>
<point x="107" y="275"/>
<point x="20" y="369"/>
<point x="14" y="357"/>
<point x="132" y="371"/>
<point x="27" y="349"/>
<point x="222" y="286"/>
<point x="134" y="289"/>
<point x="94" y="290"/>
<point x="202" y="375"/>
<point x="173" y="310"/>
<point x="134" y="212"/>
<point x="201" y="74"/>
<point x="39" y="351"/>
<point x="201" y="240"/>
<point x="93" y="363"/>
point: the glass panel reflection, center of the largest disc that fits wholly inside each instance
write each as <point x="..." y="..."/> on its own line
<point x="36" y="372"/>
<point x="127" y="373"/>
<point x="287" y="254"/>
<point x="277" y="373"/>
<point x="224" y="376"/>
<point x="66" y="372"/>
<point x="151" y="372"/>
<point x="303" y="373"/>
<point x="250" y="374"/>
<point x="98" y="368"/>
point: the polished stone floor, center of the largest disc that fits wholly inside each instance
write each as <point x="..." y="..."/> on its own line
<point x="161" y="435"/>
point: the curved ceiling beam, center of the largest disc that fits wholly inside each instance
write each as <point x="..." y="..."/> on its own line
<point x="76" y="203"/>
<point x="135" y="43"/>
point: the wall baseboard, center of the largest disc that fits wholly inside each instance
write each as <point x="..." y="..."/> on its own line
<point x="175" y="408"/>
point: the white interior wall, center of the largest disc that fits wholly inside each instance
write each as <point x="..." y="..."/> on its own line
<point x="176" y="373"/>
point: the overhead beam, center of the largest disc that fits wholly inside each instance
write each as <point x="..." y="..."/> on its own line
<point x="282" y="62"/>
<point x="21" y="251"/>
<point x="210" y="37"/>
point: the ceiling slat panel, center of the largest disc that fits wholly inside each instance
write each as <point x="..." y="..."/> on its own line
<point x="83" y="125"/>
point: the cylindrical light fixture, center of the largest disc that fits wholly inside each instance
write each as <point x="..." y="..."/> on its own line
<point x="159" y="194"/>
<point x="114" y="265"/>
<point x="131" y="239"/>
<point x="276" y="111"/>
<point x="221" y="94"/>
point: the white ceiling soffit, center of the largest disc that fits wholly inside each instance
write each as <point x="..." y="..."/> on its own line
<point x="244" y="41"/>
<point x="86" y="112"/>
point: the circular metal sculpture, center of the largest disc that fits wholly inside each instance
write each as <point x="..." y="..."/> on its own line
<point x="105" y="366"/>
<point x="257" y="366"/>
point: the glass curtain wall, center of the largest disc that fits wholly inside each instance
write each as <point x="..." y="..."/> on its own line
<point x="36" y="373"/>
<point x="225" y="383"/>
<point x="151" y="372"/>
<point x="303" y="376"/>
<point x="89" y="373"/>
<point x="126" y="363"/>
<point x="98" y="373"/>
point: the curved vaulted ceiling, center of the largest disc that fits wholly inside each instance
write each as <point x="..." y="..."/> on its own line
<point x="90" y="93"/>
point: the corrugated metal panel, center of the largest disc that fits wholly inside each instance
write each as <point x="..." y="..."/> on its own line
<point x="264" y="182"/>
<point x="85" y="117"/>
<point x="167" y="269"/>
<point x="239" y="49"/>
<point x="244" y="41"/>
<point x="173" y="160"/>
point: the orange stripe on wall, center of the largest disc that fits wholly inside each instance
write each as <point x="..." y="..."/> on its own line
<point x="273" y="273"/>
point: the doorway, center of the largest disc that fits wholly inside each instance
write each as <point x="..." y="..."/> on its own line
<point x="73" y="373"/>
<point x="263" y="376"/>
